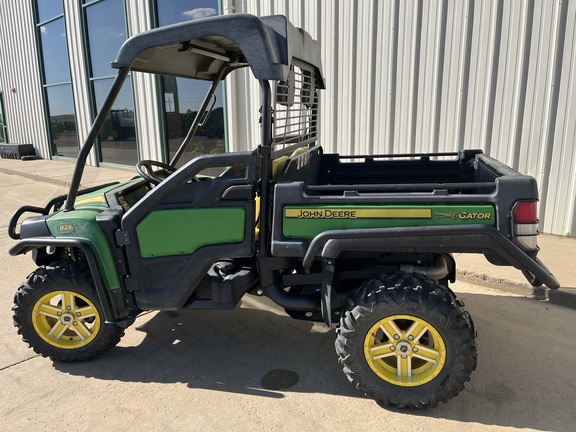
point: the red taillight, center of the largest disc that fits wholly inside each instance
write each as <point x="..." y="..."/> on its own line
<point x="525" y="212"/>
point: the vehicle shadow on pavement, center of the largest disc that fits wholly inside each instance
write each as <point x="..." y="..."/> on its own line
<point x="247" y="351"/>
<point x="524" y="369"/>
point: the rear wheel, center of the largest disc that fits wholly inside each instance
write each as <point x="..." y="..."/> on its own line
<point x="406" y="341"/>
<point x="59" y="315"/>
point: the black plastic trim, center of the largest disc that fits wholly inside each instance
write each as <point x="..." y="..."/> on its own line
<point x="16" y="216"/>
<point x="470" y="238"/>
<point x="54" y="204"/>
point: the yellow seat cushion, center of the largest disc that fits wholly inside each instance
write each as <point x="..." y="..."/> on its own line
<point x="277" y="166"/>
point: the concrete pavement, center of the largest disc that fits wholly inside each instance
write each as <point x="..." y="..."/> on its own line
<point x="210" y="370"/>
<point x="556" y="252"/>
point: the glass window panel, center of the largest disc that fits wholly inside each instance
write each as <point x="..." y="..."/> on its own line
<point x="175" y="11"/>
<point x="106" y="34"/>
<point x="55" y="52"/>
<point x="182" y="99"/>
<point x="48" y="9"/>
<point x="62" y="121"/>
<point x="118" y="136"/>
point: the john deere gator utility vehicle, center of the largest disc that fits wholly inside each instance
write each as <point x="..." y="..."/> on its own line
<point x="361" y="241"/>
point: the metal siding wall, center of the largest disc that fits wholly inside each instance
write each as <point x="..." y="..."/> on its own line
<point x="560" y="202"/>
<point x="146" y="89"/>
<point x="25" y="115"/>
<point x="242" y="102"/>
<point x="441" y="75"/>
<point x="329" y="49"/>
<point x="78" y="72"/>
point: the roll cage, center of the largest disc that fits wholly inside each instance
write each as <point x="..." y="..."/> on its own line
<point x="209" y="49"/>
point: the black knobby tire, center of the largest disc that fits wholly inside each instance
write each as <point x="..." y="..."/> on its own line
<point x="58" y="314"/>
<point x="401" y="301"/>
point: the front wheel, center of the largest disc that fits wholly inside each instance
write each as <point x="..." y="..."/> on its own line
<point x="59" y="315"/>
<point x="406" y="341"/>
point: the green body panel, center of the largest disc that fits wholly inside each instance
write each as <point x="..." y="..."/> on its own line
<point x="183" y="231"/>
<point x="97" y="199"/>
<point x="94" y="199"/>
<point x="307" y="221"/>
<point x="81" y="224"/>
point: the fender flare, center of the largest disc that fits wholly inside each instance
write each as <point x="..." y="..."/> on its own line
<point x="28" y="245"/>
<point x="448" y="239"/>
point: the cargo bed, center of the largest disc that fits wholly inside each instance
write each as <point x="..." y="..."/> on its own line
<point x="437" y="203"/>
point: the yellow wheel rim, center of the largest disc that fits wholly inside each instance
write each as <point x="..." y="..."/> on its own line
<point x="405" y="350"/>
<point x="66" y="319"/>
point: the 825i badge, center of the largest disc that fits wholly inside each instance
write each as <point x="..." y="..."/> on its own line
<point x="66" y="229"/>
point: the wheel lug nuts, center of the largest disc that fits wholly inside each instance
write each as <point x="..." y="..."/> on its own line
<point x="396" y="337"/>
<point x="392" y="348"/>
<point x="415" y="349"/>
<point x="78" y="314"/>
<point x="410" y="337"/>
<point x="68" y="307"/>
<point x="404" y="356"/>
<point x="59" y="313"/>
<point x="75" y="323"/>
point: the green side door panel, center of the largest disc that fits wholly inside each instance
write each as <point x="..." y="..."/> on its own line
<point x="183" y="231"/>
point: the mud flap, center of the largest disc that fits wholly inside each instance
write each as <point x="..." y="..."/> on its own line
<point x="327" y="279"/>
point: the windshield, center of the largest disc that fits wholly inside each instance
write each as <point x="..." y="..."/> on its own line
<point x="183" y="98"/>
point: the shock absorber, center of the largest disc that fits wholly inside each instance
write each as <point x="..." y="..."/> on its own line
<point x="80" y="258"/>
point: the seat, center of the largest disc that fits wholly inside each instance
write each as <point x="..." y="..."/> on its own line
<point x="277" y="167"/>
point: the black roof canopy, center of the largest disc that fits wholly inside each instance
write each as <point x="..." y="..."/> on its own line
<point x="200" y="48"/>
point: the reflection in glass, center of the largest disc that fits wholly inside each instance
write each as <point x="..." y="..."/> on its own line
<point x="55" y="52"/>
<point x="62" y="121"/>
<point x="182" y="99"/>
<point x="175" y="11"/>
<point x="106" y="27"/>
<point x="48" y="9"/>
<point x="106" y="33"/>
<point x="118" y="136"/>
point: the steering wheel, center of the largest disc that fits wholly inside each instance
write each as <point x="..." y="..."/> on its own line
<point x="144" y="168"/>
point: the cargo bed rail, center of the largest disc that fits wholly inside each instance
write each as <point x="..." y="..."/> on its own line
<point x="405" y="187"/>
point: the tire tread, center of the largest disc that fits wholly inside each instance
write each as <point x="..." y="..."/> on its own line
<point x="410" y="293"/>
<point x="62" y="275"/>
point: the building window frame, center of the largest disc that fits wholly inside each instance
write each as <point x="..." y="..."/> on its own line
<point x="92" y="80"/>
<point x="3" y="127"/>
<point x="161" y="102"/>
<point x="50" y="134"/>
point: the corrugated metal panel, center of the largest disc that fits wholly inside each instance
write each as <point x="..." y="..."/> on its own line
<point x="24" y="108"/>
<point x="78" y="72"/>
<point x="145" y="88"/>
<point x="559" y="204"/>
<point x="442" y="75"/>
